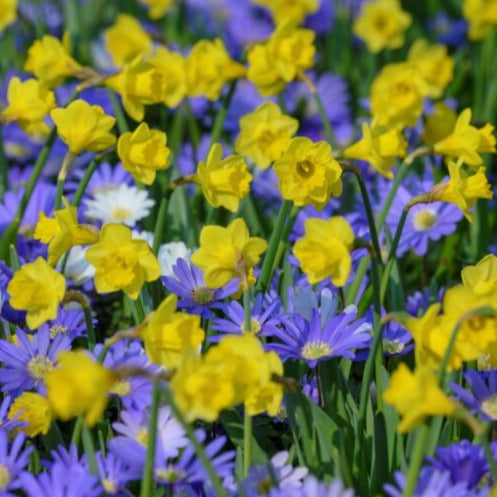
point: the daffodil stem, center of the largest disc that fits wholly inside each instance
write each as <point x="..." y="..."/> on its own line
<point x="58" y="194"/>
<point x="89" y="449"/>
<point x="416" y="461"/>
<point x="330" y="136"/>
<point x="199" y="450"/>
<point x="76" y="433"/>
<point x="274" y="241"/>
<point x="370" y="217"/>
<point x="10" y="234"/>
<point x="247" y="442"/>
<point x="148" y="471"/>
<point x="122" y="123"/>
<point x="247" y="324"/>
<point x="401" y="174"/>
<point x="161" y="222"/>
<point x="217" y="127"/>
<point x="4" y="168"/>
<point x="483" y="439"/>
<point x="398" y="233"/>
<point x="448" y="352"/>
<point x="84" y="183"/>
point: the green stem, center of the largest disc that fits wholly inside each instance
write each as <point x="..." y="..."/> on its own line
<point x="417" y="459"/>
<point x="217" y="127"/>
<point x="84" y="183"/>
<point x="247" y="442"/>
<point x="199" y="450"/>
<point x="58" y="194"/>
<point x="483" y="440"/>
<point x="4" y="168"/>
<point x="247" y="323"/>
<point x="10" y="234"/>
<point x="148" y="471"/>
<point x="92" y="340"/>
<point x="267" y="264"/>
<point x="76" y="433"/>
<point x="122" y="123"/>
<point x="398" y="233"/>
<point x="89" y="449"/>
<point x="330" y="136"/>
<point x="161" y="222"/>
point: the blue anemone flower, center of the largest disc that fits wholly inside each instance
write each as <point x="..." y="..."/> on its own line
<point x="312" y="342"/>
<point x="13" y="460"/>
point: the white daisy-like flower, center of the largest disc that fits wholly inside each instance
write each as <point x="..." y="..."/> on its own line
<point x="77" y="269"/>
<point x="143" y="235"/>
<point x="126" y="205"/>
<point x="169" y="253"/>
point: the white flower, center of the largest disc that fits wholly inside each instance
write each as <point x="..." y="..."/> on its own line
<point x="169" y="253"/>
<point x="143" y="235"/>
<point x="77" y="268"/>
<point x="126" y="205"/>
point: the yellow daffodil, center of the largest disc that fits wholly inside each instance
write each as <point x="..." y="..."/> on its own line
<point x="288" y="52"/>
<point x="122" y="263"/>
<point x="28" y="105"/>
<point x="380" y="147"/>
<point x="265" y="134"/>
<point x="416" y="395"/>
<point x="467" y="141"/>
<point x="433" y="64"/>
<point x="157" y="8"/>
<point x="396" y="96"/>
<point x="209" y="67"/>
<point x="482" y="277"/>
<point x="439" y="124"/>
<point x="308" y="173"/>
<point x="82" y="126"/>
<point x="296" y="10"/>
<point x="8" y="13"/>
<point x="49" y="60"/>
<point x="126" y="39"/>
<point x="35" y="411"/>
<point x="140" y="83"/>
<point x="227" y="253"/>
<point x="143" y="152"/>
<point x="63" y="232"/>
<point x="37" y="289"/>
<point x="169" y="333"/>
<point x="324" y="251"/>
<point x="79" y="385"/>
<point x="224" y="182"/>
<point x="172" y="66"/>
<point x="382" y="24"/>
<point x="481" y="16"/>
<point x="463" y="189"/>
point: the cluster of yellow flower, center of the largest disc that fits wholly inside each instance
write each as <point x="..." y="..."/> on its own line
<point x="466" y="317"/>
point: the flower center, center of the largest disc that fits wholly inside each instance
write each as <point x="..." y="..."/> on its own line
<point x="170" y="475"/>
<point x="425" y="219"/>
<point x="393" y="347"/>
<point x="121" y="388"/>
<point x="142" y="436"/>
<point x="109" y="486"/>
<point x="56" y="329"/>
<point x="489" y="406"/>
<point x="203" y="295"/>
<point x="264" y="486"/>
<point x="255" y="327"/>
<point x="39" y="366"/>
<point x="305" y="168"/>
<point x="315" y="350"/>
<point x="4" y="477"/>
<point x="120" y="214"/>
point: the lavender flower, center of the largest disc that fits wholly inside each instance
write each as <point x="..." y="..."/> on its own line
<point x="13" y="459"/>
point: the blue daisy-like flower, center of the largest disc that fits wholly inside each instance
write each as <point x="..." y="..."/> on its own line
<point x="27" y="362"/>
<point x="13" y="460"/>
<point x="312" y="342"/>
<point x="194" y="296"/>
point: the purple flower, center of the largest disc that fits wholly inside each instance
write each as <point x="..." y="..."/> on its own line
<point x="311" y="487"/>
<point x="18" y="146"/>
<point x="114" y="474"/>
<point x="12" y="461"/>
<point x="481" y="396"/>
<point x="27" y="363"/>
<point x="448" y="31"/>
<point x="136" y="391"/>
<point x="264" y="318"/>
<point x="69" y="323"/>
<point x="194" y="296"/>
<point x="61" y="481"/>
<point x="463" y="461"/>
<point x="312" y="342"/>
<point x="7" y="423"/>
<point x="424" y="222"/>
<point x="434" y="484"/>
